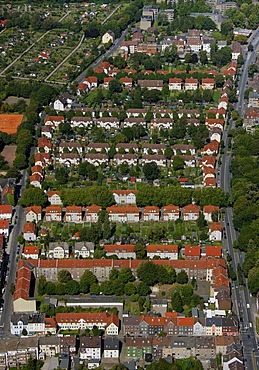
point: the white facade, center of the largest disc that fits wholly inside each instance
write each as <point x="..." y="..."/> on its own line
<point x="124" y="197"/>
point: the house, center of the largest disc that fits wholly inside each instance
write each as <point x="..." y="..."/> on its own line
<point x="97" y="159"/>
<point x="42" y="159"/>
<point x="73" y="214"/>
<point x="123" y="251"/>
<point x="211" y="148"/>
<point x="90" y="348"/>
<point x="54" y="197"/>
<point x="191" y="212"/>
<point x="81" y="122"/>
<point x="35" y="180"/>
<point x="91" y="213"/>
<point x="84" y="249"/>
<point x="154" y="149"/>
<point x="33" y="213"/>
<point x="209" y="210"/>
<point x="126" y="81"/>
<point x="109" y="36"/>
<point x="191" y="83"/>
<point x="207" y="83"/>
<point x="192" y="252"/>
<point x="151" y="213"/>
<point x="151" y="84"/>
<point x="111" y="347"/>
<point x="123" y="213"/>
<point x="98" y="148"/>
<point x="49" y="346"/>
<point x="63" y="102"/>
<point x="124" y="196"/>
<point x="31" y="252"/>
<point x="58" y="250"/>
<point x="70" y="147"/>
<point x="183" y="149"/>
<point x="159" y="159"/>
<point x="213" y="251"/>
<point x="87" y="320"/>
<point x="54" y="121"/>
<point x="6" y="212"/>
<point x="39" y="170"/>
<point x="29" y="232"/>
<point x="68" y="345"/>
<point x="129" y="159"/>
<point x="210" y="182"/>
<point x="68" y="159"/>
<point x="175" y="84"/>
<point x="53" y="213"/>
<point x="106" y="82"/>
<point x="22" y="300"/>
<point x="132" y="121"/>
<point x="127" y="147"/>
<point x="236" y="50"/>
<point x="108" y="122"/>
<point x="136" y="112"/>
<point x="44" y="144"/>
<point x="160" y="124"/>
<point x="215" y="231"/>
<point x="4" y="228"/>
<point x="30" y="323"/>
<point x="163" y="251"/>
<point x="170" y="212"/>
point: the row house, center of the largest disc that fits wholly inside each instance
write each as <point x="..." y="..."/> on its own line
<point x="110" y="112"/>
<point x="54" y="197"/>
<point x="38" y="170"/>
<point x="125" y="197"/>
<point x="215" y="231"/>
<point x="132" y="121"/>
<point x="151" y="213"/>
<point x="211" y="148"/>
<point x="98" y="148"/>
<point x="136" y="113"/>
<point x="22" y="297"/>
<point x="97" y="159"/>
<point x="189" y="113"/>
<point x="123" y="213"/>
<point x="160" y="124"/>
<point x="83" y="320"/>
<point x="70" y="147"/>
<point x="209" y="210"/>
<point x="108" y="122"/>
<point x="92" y="212"/>
<point x="4" y="228"/>
<point x="127" y="147"/>
<point x="175" y="84"/>
<point x="207" y="83"/>
<point x="47" y="131"/>
<point x="68" y="159"/>
<point x="184" y="149"/>
<point x="51" y="346"/>
<point x="170" y="212"/>
<point x="163" y="251"/>
<point x="32" y="323"/>
<point x="159" y="159"/>
<point x="200" y="269"/>
<point x="54" y="121"/>
<point x="163" y="113"/>
<point x="120" y="250"/>
<point x="130" y="159"/>
<point x="154" y="149"/>
<point x="81" y="122"/>
<point x="33" y="214"/>
<point x="191" y="83"/>
<point x="212" y="123"/>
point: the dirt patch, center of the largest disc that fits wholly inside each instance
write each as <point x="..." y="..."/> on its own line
<point x="14" y="99"/>
<point x="9" y="153"/>
<point x="10" y="122"/>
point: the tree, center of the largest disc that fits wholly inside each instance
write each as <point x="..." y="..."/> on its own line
<point x="61" y="175"/>
<point x="130" y="289"/>
<point x="151" y="171"/>
<point x="33" y="196"/>
<point x="178" y="163"/>
<point x="147" y="273"/>
<point x="203" y="57"/>
<point x="250" y="47"/>
<point x="182" y="277"/>
<point x="226" y="28"/>
<point x="72" y="287"/>
<point x="143" y="289"/>
<point x="201" y="222"/>
<point x="126" y="275"/>
<point x="222" y="56"/>
<point x="177" y="304"/>
<point x="20" y="161"/>
<point x="86" y="281"/>
<point x="115" y="86"/>
<point x="64" y="276"/>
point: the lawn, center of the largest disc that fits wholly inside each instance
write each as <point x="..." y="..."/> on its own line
<point x="216" y="95"/>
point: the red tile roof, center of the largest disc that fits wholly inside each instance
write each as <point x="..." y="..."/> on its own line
<point x="151" y="209"/>
<point x="54" y="209"/>
<point x="88" y="317"/>
<point x="94" y="208"/>
<point x="215" y="226"/>
<point x="170" y="248"/>
<point x="4" y="224"/>
<point x="122" y="209"/>
<point x="171" y="208"/>
<point x="110" y="248"/>
<point x="6" y="209"/>
<point x="124" y="192"/>
<point x="53" y="192"/>
<point x="192" y="251"/>
<point x="213" y="251"/>
<point x="35" y="209"/>
<point x="210" y="208"/>
<point x="29" y="227"/>
<point x="191" y="208"/>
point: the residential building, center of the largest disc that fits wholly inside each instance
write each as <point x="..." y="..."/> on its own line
<point x="4" y="228"/>
<point x="54" y="197"/>
<point x="53" y="213"/>
<point x="215" y="231"/>
<point x="73" y="214"/>
<point x="191" y="212"/>
<point x="30" y="324"/>
<point x="151" y="213"/>
<point x="209" y="210"/>
<point x="22" y="299"/>
<point x="6" y="211"/>
<point x="111" y="347"/>
<point x="151" y="84"/>
<point x="90" y="348"/>
<point x="91" y="213"/>
<point x="123" y="213"/>
<point x="191" y="83"/>
<point x="31" y="252"/>
<point x="109" y="36"/>
<point x="163" y="251"/>
<point x="170" y="212"/>
<point x="120" y="250"/>
<point x="58" y="250"/>
<point x="84" y="249"/>
<point x="33" y="214"/>
<point x="29" y="232"/>
<point x="125" y="197"/>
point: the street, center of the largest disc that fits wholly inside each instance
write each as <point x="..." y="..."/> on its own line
<point x="240" y="293"/>
<point x="11" y="251"/>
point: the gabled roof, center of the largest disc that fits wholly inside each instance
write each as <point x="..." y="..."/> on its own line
<point x="6" y="208"/>
<point x="170" y="248"/>
<point x="213" y="251"/>
<point x="110" y="248"/>
<point x="29" y="227"/>
<point x="192" y="251"/>
<point x="31" y="250"/>
<point x="191" y="208"/>
<point x="34" y="209"/>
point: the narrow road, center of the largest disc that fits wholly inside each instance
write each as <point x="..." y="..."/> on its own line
<point x="240" y="293"/>
<point x="31" y="46"/>
<point x="114" y="11"/>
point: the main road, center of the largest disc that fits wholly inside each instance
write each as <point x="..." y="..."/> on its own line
<point x="240" y="293"/>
